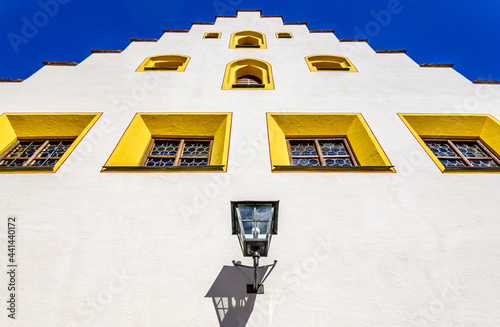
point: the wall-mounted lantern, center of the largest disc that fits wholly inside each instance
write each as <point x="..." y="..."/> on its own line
<point x="255" y="222"/>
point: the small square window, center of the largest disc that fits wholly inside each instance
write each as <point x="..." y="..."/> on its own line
<point x="284" y="35"/>
<point x="178" y="152"/>
<point x="212" y="35"/>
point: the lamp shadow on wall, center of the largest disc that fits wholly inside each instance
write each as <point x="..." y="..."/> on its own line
<point x="229" y="295"/>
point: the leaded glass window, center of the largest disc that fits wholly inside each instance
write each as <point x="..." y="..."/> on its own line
<point x="462" y="153"/>
<point x="35" y="153"/>
<point x="178" y="152"/>
<point x="321" y="152"/>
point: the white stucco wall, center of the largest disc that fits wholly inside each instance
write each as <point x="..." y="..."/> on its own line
<point x="414" y="248"/>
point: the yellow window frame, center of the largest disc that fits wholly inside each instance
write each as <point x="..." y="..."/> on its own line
<point x="130" y="150"/>
<point x="368" y="152"/>
<point x="248" y="66"/>
<point x="34" y="126"/>
<point x="254" y="37"/>
<point x="482" y="127"/>
<point x="284" y="35"/>
<point x="325" y="63"/>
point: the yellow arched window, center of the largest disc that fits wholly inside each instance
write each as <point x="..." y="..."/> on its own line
<point x="248" y="39"/>
<point x="329" y="63"/>
<point x="164" y="62"/>
<point x="248" y="73"/>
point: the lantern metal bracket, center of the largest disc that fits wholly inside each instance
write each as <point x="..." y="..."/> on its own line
<point x="256" y="288"/>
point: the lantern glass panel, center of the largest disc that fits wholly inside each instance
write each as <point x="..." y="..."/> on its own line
<point x="263" y="212"/>
<point x="255" y="220"/>
<point x="248" y="227"/>
<point x="246" y="211"/>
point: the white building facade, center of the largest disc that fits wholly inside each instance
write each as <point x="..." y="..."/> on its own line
<point x="403" y="238"/>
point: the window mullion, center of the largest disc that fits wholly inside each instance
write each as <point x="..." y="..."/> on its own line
<point x="457" y="151"/>
<point x="179" y="153"/>
<point x="20" y="154"/>
<point x="485" y="149"/>
<point x="289" y="152"/>
<point x="149" y="149"/>
<point x="351" y="154"/>
<point x="209" y="152"/>
<point x="37" y="152"/>
<point x="319" y="153"/>
<point x="50" y="155"/>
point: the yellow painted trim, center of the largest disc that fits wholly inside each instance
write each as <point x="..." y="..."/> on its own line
<point x="252" y="37"/>
<point x="134" y="142"/>
<point x="14" y="126"/>
<point x="365" y="146"/>
<point x="288" y="33"/>
<point x="207" y="33"/>
<point x="248" y="66"/>
<point x="329" y="61"/>
<point x="455" y="126"/>
<point x="172" y="60"/>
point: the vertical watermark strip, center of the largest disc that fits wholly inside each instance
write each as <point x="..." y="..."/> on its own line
<point x="11" y="267"/>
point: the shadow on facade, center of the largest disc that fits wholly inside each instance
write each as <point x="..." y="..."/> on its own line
<point x="229" y="295"/>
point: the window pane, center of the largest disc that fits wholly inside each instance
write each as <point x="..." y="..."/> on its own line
<point x="470" y="149"/>
<point x="162" y="64"/>
<point x="302" y="148"/>
<point x="55" y="149"/>
<point x="165" y="148"/>
<point x="483" y="163"/>
<point x="12" y="163"/>
<point x="26" y="149"/>
<point x="306" y="162"/>
<point x="248" y="80"/>
<point x="196" y="148"/>
<point x="193" y="162"/>
<point x="326" y="64"/>
<point x="18" y="150"/>
<point x="160" y="162"/>
<point x="452" y="163"/>
<point x="246" y="211"/>
<point x="248" y="228"/>
<point x="45" y="162"/>
<point x="261" y="229"/>
<point x="263" y="212"/>
<point x="338" y="162"/>
<point x="330" y="148"/>
<point x="440" y="148"/>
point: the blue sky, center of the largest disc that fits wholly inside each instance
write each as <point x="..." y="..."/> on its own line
<point x="462" y="32"/>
